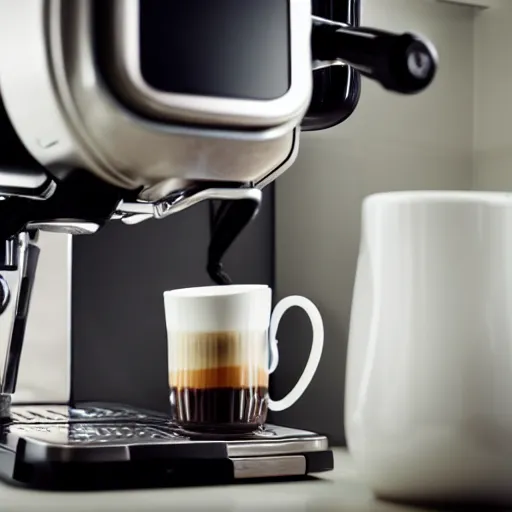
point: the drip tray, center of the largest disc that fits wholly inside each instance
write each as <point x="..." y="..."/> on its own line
<point x="57" y="441"/>
<point x="87" y="413"/>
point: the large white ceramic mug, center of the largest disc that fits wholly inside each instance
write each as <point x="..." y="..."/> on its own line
<point x="428" y="406"/>
<point x="222" y="346"/>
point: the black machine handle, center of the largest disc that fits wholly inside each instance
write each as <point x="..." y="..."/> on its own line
<point x="403" y="63"/>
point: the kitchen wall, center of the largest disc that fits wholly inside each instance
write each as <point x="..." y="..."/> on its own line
<point x="390" y="143"/>
<point x="493" y="97"/>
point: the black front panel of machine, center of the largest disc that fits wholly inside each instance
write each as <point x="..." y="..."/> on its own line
<point x="225" y="48"/>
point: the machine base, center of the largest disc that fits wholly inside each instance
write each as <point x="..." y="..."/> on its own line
<point x="110" y="446"/>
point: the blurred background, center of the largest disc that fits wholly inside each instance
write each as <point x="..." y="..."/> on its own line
<point x="453" y="136"/>
<point x="305" y="240"/>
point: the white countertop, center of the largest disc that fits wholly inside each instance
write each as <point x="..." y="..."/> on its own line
<point x="339" y="490"/>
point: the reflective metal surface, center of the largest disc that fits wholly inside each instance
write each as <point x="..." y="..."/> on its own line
<point x="32" y="184"/>
<point x="264" y="467"/>
<point x="320" y="64"/>
<point x="67" y="118"/>
<point x="118" y="433"/>
<point x="133" y="213"/>
<point x="282" y="443"/>
<point x="30" y="414"/>
<point x="9" y="254"/>
<point x="69" y="227"/>
<point x="213" y="110"/>
<point x="92" y="434"/>
<point x="285" y="165"/>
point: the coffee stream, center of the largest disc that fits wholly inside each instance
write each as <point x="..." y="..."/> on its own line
<point x="219" y="381"/>
<point x="227" y="222"/>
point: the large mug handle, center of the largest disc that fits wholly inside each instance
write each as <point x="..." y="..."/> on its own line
<point x="315" y="354"/>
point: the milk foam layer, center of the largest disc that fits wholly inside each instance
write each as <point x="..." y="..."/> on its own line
<point x="218" y="360"/>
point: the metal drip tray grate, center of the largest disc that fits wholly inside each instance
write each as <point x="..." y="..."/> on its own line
<point x="94" y="434"/>
<point x="89" y="433"/>
<point x="65" y="414"/>
<point x="118" y="441"/>
<point x="123" y="432"/>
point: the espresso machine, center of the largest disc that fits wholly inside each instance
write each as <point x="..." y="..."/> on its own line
<point x="131" y="110"/>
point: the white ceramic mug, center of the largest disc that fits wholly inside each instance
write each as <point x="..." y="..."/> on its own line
<point x="428" y="409"/>
<point x="222" y="346"/>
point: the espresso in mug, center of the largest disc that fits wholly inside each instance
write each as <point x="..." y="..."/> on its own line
<point x="219" y="380"/>
<point x="222" y="346"/>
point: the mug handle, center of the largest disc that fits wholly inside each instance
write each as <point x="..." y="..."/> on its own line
<point x="317" y="346"/>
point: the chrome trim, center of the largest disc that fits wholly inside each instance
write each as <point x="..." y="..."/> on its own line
<point x="10" y="253"/>
<point x="131" y="220"/>
<point x="27" y="183"/>
<point x="69" y="320"/>
<point x="267" y="467"/>
<point x="318" y="20"/>
<point x="70" y="227"/>
<point x="289" y="446"/>
<point x="45" y="194"/>
<point x="135" y="208"/>
<point x="290" y="160"/>
<point x="211" y="109"/>
<point x="321" y="64"/>
<point x="133" y="213"/>
<point x="165" y="208"/>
